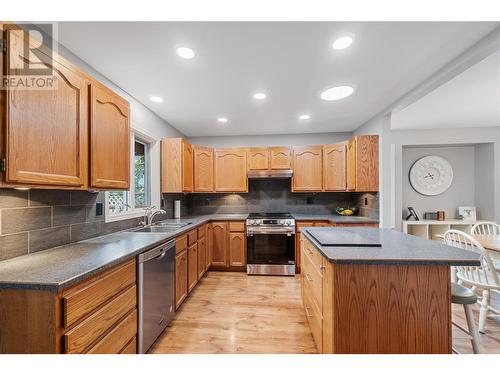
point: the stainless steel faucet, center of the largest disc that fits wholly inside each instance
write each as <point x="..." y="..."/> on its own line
<point x="150" y="213"/>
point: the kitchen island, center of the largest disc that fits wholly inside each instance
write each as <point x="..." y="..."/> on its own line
<point x="371" y="290"/>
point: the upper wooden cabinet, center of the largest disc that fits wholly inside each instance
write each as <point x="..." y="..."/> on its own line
<point x="307" y="168"/>
<point x="258" y="159"/>
<point x="45" y="130"/>
<point x="362" y="163"/>
<point x="109" y="139"/>
<point x="176" y="166"/>
<point x="73" y="136"/>
<point x="334" y="167"/>
<point x="231" y="170"/>
<point x="280" y="158"/>
<point x="203" y="169"/>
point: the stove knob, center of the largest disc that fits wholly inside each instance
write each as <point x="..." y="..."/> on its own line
<point x="257" y="222"/>
<point x="282" y="222"/>
<point x="288" y="222"/>
<point x="251" y="222"/>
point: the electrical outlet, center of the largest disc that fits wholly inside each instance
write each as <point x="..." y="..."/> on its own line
<point x="366" y="201"/>
<point x="98" y="209"/>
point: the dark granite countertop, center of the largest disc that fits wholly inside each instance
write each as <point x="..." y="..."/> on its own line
<point x="336" y="218"/>
<point x="63" y="266"/>
<point x="396" y="248"/>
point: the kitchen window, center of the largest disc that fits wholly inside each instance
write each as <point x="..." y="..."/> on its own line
<point x="120" y="205"/>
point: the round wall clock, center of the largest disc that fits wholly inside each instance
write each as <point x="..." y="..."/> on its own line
<point x="431" y="175"/>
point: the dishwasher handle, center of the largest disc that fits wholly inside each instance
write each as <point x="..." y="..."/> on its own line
<point x="157" y="253"/>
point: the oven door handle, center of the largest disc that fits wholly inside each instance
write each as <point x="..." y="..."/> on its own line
<point x="269" y="232"/>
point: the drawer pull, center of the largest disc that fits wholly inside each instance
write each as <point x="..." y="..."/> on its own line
<point x="322" y="267"/>
<point x="309" y="278"/>
<point x="307" y="312"/>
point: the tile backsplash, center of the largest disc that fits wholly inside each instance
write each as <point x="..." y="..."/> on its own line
<point x="274" y="196"/>
<point x="34" y="220"/>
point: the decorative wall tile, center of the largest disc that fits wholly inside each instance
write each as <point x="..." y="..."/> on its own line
<point x="49" y="197"/>
<point x="46" y="238"/>
<point x="13" y="245"/>
<point x="16" y="220"/>
<point x="10" y="198"/>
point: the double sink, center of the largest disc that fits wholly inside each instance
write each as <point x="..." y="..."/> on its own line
<point x="161" y="227"/>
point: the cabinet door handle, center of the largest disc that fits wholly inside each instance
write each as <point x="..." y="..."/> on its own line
<point x="307" y="312"/>
<point x="308" y="277"/>
<point x="322" y="267"/>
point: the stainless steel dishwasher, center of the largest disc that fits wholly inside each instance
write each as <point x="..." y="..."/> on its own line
<point x="156" y="299"/>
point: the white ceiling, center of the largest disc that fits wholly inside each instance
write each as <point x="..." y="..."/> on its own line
<point x="291" y="61"/>
<point x="471" y="99"/>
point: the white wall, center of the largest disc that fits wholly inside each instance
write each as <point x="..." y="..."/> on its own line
<point x="271" y="140"/>
<point x="391" y="162"/>
<point x="485" y="180"/>
<point x="460" y="193"/>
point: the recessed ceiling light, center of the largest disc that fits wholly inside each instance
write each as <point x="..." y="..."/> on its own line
<point x="304" y="117"/>
<point x="342" y="43"/>
<point x="156" y="99"/>
<point x="259" y="96"/>
<point x="185" y="52"/>
<point x="336" y="93"/>
<point x="222" y="119"/>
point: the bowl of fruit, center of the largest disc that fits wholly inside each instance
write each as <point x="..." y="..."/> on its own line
<point x="345" y="211"/>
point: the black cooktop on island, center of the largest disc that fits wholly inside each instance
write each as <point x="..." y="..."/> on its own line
<point x="270" y="215"/>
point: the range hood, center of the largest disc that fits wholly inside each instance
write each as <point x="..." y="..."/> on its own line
<point x="277" y="173"/>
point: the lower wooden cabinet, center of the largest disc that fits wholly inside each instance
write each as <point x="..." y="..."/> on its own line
<point x="98" y="315"/>
<point x="237" y="249"/>
<point x="219" y="244"/>
<point x="192" y="266"/>
<point x="202" y="253"/>
<point x="181" y="277"/>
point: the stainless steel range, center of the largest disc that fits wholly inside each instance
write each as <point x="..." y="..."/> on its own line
<point x="270" y="244"/>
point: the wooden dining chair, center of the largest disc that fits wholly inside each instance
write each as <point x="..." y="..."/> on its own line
<point x="483" y="277"/>
<point x="486" y="228"/>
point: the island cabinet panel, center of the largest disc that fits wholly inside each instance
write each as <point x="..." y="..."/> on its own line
<point x="203" y="169"/>
<point x="231" y="170"/>
<point x="109" y="139"/>
<point x="280" y="158"/>
<point x="119" y="337"/>
<point x="176" y="166"/>
<point x="374" y="308"/>
<point x="46" y="141"/>
<point x="412" y="306"/>
<point x="258" y="159"/>
<point x="219" y="243"/>
<point x="362" y="163"/>
<point x="334" y="167"/>
<point x="192" y="266"/>
<point x="307" y="168"/>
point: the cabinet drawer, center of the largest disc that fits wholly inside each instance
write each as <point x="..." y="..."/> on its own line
<point x="181" y="244"/>
<point x="78" y="339"/>
<point x="192" y="237"/>
<point x="130" y="348"/>
<point x="314" y="255"/>
<point x="313" y="280"/>
<point x="201" y="231"/>
<point x="82" y="301"/>
<point x="236" y="226"/>
<point x="315" y="320"/>
<point x="118" y="337"/>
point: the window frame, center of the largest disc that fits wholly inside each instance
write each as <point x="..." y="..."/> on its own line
<point x="152" y="179"/>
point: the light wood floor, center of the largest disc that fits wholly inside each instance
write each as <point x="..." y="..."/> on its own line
<point x="230" y="312"/>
